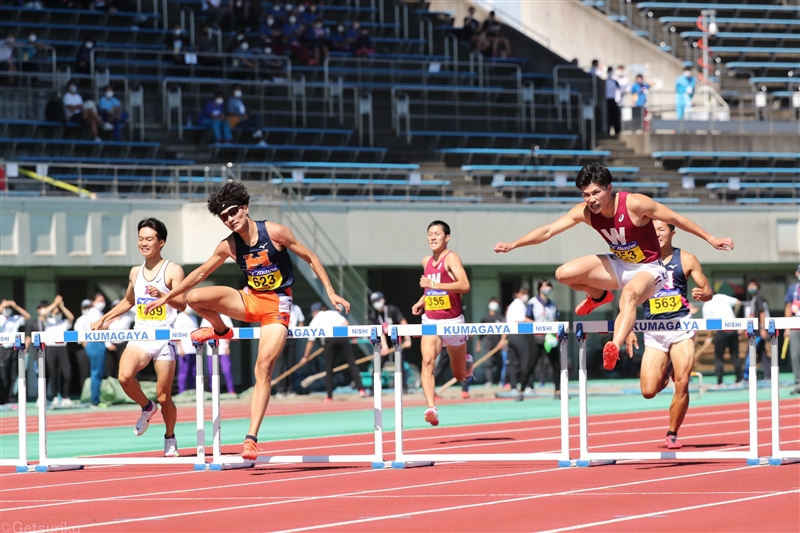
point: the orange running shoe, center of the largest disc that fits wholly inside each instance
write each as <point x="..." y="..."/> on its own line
<point x="249" y="450"/>
<point x="589" y="304"/>
<point x="464" y="395"/>
<point x="201" y="335"/>
<point x="610" y="355"/>
<point x="672" y="443"/>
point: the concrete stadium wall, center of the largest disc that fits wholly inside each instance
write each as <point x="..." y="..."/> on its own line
<point x="575" y="31"/>
<point x="647" y="143"/>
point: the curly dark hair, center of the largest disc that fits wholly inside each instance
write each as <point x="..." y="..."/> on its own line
<point x="593" y="174"/>
<point x="232" y="193"/>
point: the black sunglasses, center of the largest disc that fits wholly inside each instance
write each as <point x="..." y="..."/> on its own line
<point x="232" y="212"/>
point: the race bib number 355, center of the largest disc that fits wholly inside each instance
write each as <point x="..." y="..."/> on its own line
<point x="266" y="282"/>
<point x="437" y="300"/>
<point x="665" y="304"/>
<point x="158" y="313"/>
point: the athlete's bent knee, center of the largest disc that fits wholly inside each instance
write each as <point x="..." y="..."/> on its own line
<point x="125" y="380"/>
<point x="563" y="275"/>
<point x="648" y="394"/>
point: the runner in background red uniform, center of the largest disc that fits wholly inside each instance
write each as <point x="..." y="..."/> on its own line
<point x="444" y="281"/>
<point x="625" y="221"/>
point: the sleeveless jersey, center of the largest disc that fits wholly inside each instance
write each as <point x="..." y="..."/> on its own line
<point x="265" y="268"/>
<point x="160" y="317"/>
<point x="671" y="301"/>
<point x="440" y="304"/>
<point x="630" y="243"/>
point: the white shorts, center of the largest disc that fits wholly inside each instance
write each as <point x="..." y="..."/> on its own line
<point x="624" y="271"/>
<point x="157" y="350"/>
<point x="662" y="340"/>
<point x="449" y="340"/>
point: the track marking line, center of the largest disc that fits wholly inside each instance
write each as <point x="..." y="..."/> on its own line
<point x="667" y="512"/>
<point x="133" y="478"/>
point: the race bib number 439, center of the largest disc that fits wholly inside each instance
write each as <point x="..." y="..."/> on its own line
<point x="158" y="313"/>
<point x="437" y="300"/>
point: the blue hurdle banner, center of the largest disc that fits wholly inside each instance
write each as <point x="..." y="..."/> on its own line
<point x="773" y="326"/>
<point x="588" y="458"/>
<point x="403" y="459"/>
<point x="16" y="341"/>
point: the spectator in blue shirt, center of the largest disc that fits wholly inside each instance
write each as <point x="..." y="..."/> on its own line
<point x="268" y="27"/>
<point x="317" y="40"/>
<point x="639" y="91"/>
<point x="338" y="41"/>
<point x="243" y="63"/>
<point x="111" y="112"/>
<point x="276" y="11"/>
<point x="310" y="15"/>
<point x="83" y="57"/>
<point x="238" y="117"/>
<point x="684" y="90"/>
<point x="213" y="117"/>
<point x="792" y="309"/>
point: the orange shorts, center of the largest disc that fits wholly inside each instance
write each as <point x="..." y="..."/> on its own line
<point x="267" y="307"/>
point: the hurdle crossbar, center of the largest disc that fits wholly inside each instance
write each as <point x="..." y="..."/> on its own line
<point x="375" y="459"/>
<point x="20" y="463"/>
<point x="588" y="458"/>
<point x="779" y="456"/>
<point x="48" y="338"/>
<point x="405" y="460"/>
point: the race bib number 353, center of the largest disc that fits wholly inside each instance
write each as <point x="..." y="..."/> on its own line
<point x="158" y="313"/>
<point x="266" y="282"/>
<point x="437" y="300"/>
<point x="630" y="253"/>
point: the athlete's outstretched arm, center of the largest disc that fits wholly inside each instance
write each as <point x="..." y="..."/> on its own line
<point x="703" y="292"/>
<point x="575" y="216"/>
<point x="285" y="237"/>
<point x="221" y="253"/>
<point x="645" y="206"/>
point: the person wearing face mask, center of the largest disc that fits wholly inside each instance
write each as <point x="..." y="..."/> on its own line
<point x="27" y="53"/>
<point x="758" y="307"/>
<point x="243" y="64"/>
<point x="542" y="309"/>
<point x="724" y="307"/>
<point x="83" y="58"/>
<point x="486" y="343"/>
<point x="518" y="346"/>
<point x="213" y="117"/>
<point x="293" y="29"/>
<point x="241" y="13"/>
<point x="12" y="320"/>
<point x="338" y="39"/>
<point x="268" y="27"/>
<point x="239" y="117"/>
<point x="176" y="43"/>
<point x="288" y="355"/>
<point x="94" y="352"/>
<point x="57" y="318"/>
<point x="792" y="308"/>
<point x="623" y="84"/>
<point x="79" y="112"/>
<point x="7" y="60"/>
<point x="218" y="17"/>
<point x="311" y="15"/>
<point x="382" y="313"/>
<point x="684" y="89"/>
<point x="317" y="41"/>
<point x="111" y="112"/>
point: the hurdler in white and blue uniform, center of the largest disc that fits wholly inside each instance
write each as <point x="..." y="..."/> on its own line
<point x="675" y="348"/>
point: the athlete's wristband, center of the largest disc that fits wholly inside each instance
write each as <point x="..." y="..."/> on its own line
<point x="433" y="284"/>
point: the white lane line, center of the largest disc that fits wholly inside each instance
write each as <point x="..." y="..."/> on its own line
<point x="668" y="512"/>
<point x="132" y="478"/>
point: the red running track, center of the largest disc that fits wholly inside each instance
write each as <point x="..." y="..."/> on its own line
<point x="718" y="496"/>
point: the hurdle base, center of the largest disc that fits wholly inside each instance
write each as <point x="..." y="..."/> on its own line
<point x="778" y="461"/>
<point x="24" y="469"/>
<point x="567" y="463"/>
<point x="378" y="465"/>
<point x="57" y="468"/>
<point x="583" y="463"/>
<point x="399" y="465"/>
<point x="757" y="461"/>
<point x="230" y="462"/>
<point x="218" y="467"/>
<point x="200" y="467"/>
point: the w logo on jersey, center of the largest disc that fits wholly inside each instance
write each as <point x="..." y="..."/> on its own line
<point x="614" y="235"/>
<point x="256" y="260"/>
<point x="435" y="277"/>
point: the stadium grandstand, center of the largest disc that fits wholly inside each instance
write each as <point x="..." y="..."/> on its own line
<point x="356" y="123"/>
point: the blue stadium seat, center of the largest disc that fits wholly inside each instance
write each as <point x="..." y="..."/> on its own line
<point x="757" y="185"/>
<point x="744" y="35"/>
<point x="733" y="21"/>
<point x="541" y="168"/>
<point x="697" y="6"/>
<point x="688" y="156"/>
<point x="791" y="201"/>
<point x="352" y="151"/>
<point x="338" y="165"/>
<point x="102" y="160"/>
<point x="754" y="50"/>
<point x="738" y="170"/>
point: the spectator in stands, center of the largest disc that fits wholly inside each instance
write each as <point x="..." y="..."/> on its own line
<point x="207" y="47"/>
<point x="486" y="343"/>
<point x="12" y="320"/>
<point x="79" y="112"/>
<point x="792" y="300"/>
<point x="95" y="351"/>
<point x="243" y="64"/>
<point x="613" y="111"/>
<point x="177" y="43"/>
<point x="684" y="89"/>
<point x="624" y="85"/>
<point x="242" y="10"/>
<point x="362" y="46"/>
<point x="758" y="307"/>
<point x="269" y="63"/>
<point x="518" y="345"/>
<point x="220" y="18"/>
<point x="111" y="112"/>
<point x="724" y="307"/>
<point x="268" y="27"/>
<point x="187" y="361"/>
<point x="7" y="62"/>
<point x="83" y="58"/>
<point x="27" y="53"/>
<point x="276" y="11"/>
<point x="114" y="350"/>
<point x="57" y="318"/>
<point x="639" y="91"/>
<point x="239" y="117"/>
<point x="213" y="117"/>
<point x="311" y="15"/>
<point x="383" y="313"/>
<point x="501" y="47"/>
<point x="317" y="40"/>
<point x="542" y="308"/>
<point x="293" y="30"/>
<point x="471" y="26"/>
<point x="338" y="39"/>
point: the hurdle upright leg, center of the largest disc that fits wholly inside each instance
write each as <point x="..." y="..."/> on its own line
<point x="200" y="413"/>
<point x="20" y="463"/>
<point x="777" y="457"/>
<point x="752" y="382"/>
<point x="399" y="454"/>
<point x="564" y="385"/>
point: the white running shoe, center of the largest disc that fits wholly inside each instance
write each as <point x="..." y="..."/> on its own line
<point x="66" y="402"/>
<point x="432" y="416"/>
<point x="171" y="448"/>
<point x="56" y="403"/>
<point x="469" y="365"/>
<point x="144" y="420"/>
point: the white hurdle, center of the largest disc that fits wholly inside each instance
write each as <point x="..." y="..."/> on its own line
<point x="375" y="459"/>
<point x="21" y="462"/>
<point x="588" y="458"/>
<point x="47" y="464"/>
<point x="404" y="460"/>
<point x="778" y="456"/>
